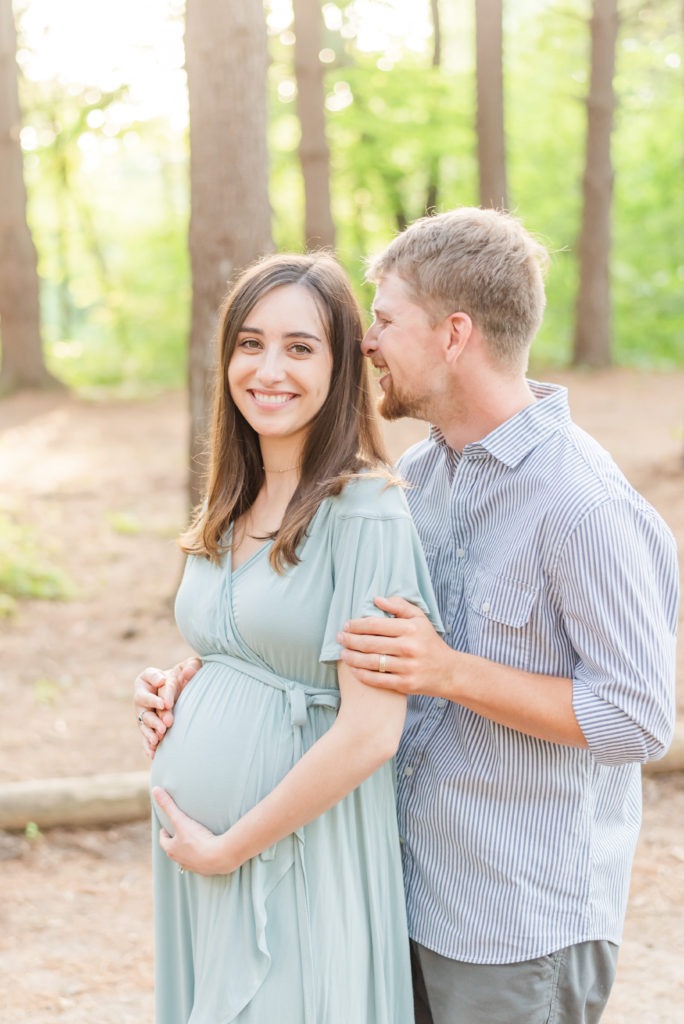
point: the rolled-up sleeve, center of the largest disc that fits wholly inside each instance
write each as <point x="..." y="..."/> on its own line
<point x="618" y="578"/>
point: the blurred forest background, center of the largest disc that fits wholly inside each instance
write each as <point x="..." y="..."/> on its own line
<point x="149" y="151"/>
<point x="391" y="86"/>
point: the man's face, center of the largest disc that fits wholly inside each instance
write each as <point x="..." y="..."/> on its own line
<point x="402" y="343"/>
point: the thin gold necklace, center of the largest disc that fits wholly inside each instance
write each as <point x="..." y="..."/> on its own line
<point x="288" y="469"/>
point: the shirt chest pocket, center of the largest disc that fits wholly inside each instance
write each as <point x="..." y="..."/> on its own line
<point x="499" y="610"/>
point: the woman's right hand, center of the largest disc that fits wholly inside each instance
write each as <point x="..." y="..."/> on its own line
<point x="154" y="696"/>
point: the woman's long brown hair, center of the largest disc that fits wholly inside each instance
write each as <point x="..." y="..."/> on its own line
<point x="344" y="437"/>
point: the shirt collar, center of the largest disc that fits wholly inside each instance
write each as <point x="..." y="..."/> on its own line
<point x="513" y="440"/>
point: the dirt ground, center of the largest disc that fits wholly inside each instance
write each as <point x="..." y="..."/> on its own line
<point x="102" y="486"/>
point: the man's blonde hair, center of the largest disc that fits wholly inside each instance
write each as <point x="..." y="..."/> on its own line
<point x="477" y="261"/>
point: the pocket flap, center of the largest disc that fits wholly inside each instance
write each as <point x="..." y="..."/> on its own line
<point x="502" y="599"/>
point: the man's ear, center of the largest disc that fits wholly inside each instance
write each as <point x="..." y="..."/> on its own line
<point x="461" y="329"/>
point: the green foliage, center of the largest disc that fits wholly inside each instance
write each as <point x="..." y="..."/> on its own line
<point x="125" y="523"/>
<point x="135" y="341"/>
<point x="547" y="81"/>
<point x="648" y="255"/>
<point x="392" y="133"/>
<point x="400" y="131"/>
<point x="46" y="691"/>
<point x="25" y="569"/>
<point x="109" y="195"/>
<point x="108" y="211"/>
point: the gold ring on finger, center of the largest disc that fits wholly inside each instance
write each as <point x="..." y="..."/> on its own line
<point x="382" y="663"/>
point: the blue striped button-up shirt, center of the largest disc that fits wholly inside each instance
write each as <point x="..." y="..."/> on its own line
<point x="542" y="557"/>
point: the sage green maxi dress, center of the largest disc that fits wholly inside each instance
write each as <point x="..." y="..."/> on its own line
<point x="313" y="930"/>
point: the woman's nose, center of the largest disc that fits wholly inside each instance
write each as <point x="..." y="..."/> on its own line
<point x="271" y="366"/>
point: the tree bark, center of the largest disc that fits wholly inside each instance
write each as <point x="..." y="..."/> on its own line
<point x="230" y="216"/>
<point x="432" y="198"/>
<point x="314" y="154"/>
<point x="491" y="144"/>
<point x="23" y="365"/>
<point x="592" y="342"/>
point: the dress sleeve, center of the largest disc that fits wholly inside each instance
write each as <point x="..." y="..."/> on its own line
<point x="376" y="553"/>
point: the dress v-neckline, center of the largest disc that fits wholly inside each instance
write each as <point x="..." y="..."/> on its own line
<point x="235" y="570"/>
<point x="265" y="546"/>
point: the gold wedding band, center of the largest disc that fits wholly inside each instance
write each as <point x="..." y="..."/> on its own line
<point x="382" y="664"/>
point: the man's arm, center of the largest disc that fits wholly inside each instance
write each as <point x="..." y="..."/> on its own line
<point x="420" y="662"/>
<point x="616" y="583"/>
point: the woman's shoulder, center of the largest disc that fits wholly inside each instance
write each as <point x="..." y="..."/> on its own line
<point x="375" y="494"/>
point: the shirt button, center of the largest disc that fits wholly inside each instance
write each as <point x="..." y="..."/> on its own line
<point x="460" y="552"/>
<point x="441" y="702"/>
<point x="408" y="771"/>
<point x="486" y="606"/>
<point x="402" y="840"/>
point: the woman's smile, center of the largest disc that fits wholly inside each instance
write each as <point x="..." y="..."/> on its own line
<point x="272" y="398"/>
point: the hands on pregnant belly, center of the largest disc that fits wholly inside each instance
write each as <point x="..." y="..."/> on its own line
<point x="230" y="744"/>
<point x="192" y="846"/>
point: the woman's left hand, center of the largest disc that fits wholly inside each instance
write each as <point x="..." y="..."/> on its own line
<point x="192" y="846"/>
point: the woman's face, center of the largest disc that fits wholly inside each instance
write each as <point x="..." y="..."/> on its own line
<point x="279" y="372"/>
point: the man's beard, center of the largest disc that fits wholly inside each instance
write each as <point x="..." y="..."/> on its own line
<point x="395" y="406"/>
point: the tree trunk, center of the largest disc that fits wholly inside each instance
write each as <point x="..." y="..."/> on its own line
<point x="314" y="154"/>
<point x="22" y="354"/>
<point x="491" y="145"/>
<point x="592" y="344"/>
<point x="230" y="216"/>
<point x="432" y="198"/>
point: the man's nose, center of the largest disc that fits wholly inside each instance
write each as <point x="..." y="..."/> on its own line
<point x="369" y="343"/>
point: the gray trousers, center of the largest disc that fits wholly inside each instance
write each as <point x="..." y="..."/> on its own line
<point x="570" y="986"/>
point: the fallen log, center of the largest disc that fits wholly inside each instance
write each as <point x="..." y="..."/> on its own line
<point x="99" y="800"/>
<point x="85" y="800"/>
<point x="674" y="759"/>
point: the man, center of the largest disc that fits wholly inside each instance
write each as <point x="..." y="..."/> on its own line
<point x="519" y="780"/>
<point x="519" y="788"/>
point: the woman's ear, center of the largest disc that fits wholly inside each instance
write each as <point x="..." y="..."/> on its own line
<point x="461" y="329"/>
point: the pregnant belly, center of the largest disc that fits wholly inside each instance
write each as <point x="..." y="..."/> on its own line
<point x="229" y="745"/>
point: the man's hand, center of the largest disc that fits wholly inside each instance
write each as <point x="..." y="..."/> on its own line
<point x="403" y="653"/>
<point x="154" y="696"/>
<point x="418" y="661"/>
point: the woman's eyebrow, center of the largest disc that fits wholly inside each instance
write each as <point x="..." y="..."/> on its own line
<point x="288" y="334"/>
<point x="302" y="334"/>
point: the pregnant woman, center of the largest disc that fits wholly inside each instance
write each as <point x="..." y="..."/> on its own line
<point x="278" y="889"/>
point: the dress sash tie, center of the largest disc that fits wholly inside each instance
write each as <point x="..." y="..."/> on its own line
<point x="300" y="698"/>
